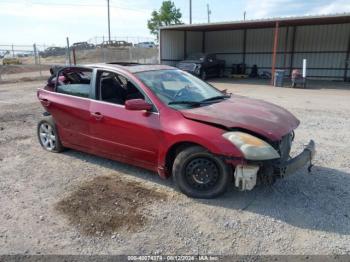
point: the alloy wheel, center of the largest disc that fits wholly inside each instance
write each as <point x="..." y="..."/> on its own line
<point x="47" y="136"/>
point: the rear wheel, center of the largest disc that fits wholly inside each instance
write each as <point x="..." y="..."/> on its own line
<point x="200" y="174"/>
<point x="48" y="136"/>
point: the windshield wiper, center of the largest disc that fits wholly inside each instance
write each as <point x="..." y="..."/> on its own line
<point x="215" y="98"/>
<point x="195" y="103"/>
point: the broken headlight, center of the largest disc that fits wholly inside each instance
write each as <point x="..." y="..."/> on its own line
<point x="253" y="148"/>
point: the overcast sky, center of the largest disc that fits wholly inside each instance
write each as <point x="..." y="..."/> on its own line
<point x="50" y="21"/>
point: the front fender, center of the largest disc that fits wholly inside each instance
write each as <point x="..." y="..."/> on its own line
<point x="209" y="138"/>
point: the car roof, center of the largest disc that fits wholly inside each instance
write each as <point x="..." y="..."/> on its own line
<point x="131" y="67"/>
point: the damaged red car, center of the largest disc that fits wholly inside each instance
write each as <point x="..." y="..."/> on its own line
<point x="171" y="122"/>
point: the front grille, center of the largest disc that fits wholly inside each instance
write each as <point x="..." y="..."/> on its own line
<point x="187" y="66"/>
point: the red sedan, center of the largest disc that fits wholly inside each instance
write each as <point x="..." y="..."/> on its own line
<point x="166" y="120"/>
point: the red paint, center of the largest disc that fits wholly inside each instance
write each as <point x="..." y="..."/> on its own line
<point x="144" y="138"/>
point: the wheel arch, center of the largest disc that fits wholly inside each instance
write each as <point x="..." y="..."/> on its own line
<point x="173" y="151"/>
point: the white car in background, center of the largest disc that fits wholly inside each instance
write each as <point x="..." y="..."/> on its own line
<point x="146" y="45"/>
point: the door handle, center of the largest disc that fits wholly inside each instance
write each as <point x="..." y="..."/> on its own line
<point x="97" y="115"/>
<point x="45" y="102"/>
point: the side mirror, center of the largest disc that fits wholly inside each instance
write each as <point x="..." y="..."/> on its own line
<point x="137" y="105"/>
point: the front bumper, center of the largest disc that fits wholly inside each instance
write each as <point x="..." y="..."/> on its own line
<point x="304" y="158"/>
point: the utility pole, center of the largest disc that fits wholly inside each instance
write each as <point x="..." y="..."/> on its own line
<point x="190" y="11"/>
<point x="109" y="24"/>
<point x="244" y="14"/>
<point x="209" y="13"/>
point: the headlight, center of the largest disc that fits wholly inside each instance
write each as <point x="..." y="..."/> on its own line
<point x="252" y="147"/>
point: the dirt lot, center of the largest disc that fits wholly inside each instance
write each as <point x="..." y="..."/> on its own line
<point x="75" y="203"/>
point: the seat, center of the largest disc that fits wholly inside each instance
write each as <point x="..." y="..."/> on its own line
<point x="111" y="91"/>
<point x="132" y="92"/>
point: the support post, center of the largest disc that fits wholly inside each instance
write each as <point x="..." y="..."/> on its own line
<point x="203" y="41"/>
<point x="185" y="44"/>
<point x="74" y="57"/>
<point x="275" y="44"/>
<point x="35" y="54"/>
<point x="347" y="61"/>
<point x="292" y="51"/>
<point x="190" y="11"/>
<point x="244" y="44"/>
<point x="68" y="52"/>
<point x="285" y="48"/>
<point x="109" y="23"/>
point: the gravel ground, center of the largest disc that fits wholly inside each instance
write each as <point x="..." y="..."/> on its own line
<point x="303" y="214"/>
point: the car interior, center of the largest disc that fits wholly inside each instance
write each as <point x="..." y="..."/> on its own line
<point x="74" y="82"/>
<point x="116" y="89"/>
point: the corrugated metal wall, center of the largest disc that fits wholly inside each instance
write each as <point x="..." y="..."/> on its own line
<point x="172" y="46"/>
<point x="194" y="42"/>
<point x="324" y="47"/>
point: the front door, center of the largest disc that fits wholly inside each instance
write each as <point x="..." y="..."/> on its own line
<point x="129" y="136"/>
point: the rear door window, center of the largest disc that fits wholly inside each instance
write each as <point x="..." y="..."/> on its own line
<point x="74" y="81"/>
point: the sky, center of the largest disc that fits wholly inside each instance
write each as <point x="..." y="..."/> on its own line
<point x="49" y="22"/>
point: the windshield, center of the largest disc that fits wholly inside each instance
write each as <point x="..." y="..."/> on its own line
<point x="196" y="56"/>
<point x="178" y="88"/>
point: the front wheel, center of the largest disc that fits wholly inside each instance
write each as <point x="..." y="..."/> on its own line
<point x="48" y="136"/>
<point x="200" y="174"/>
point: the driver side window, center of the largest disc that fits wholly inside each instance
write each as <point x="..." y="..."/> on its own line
<point x="115" y="88"/>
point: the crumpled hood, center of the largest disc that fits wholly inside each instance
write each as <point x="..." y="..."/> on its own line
<point x="260" y="117"/>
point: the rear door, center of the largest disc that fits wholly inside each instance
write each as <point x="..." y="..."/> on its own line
<point x="69" y="105"/>
<point x="129" y="136"/>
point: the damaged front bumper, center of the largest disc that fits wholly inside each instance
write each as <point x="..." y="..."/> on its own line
<point x="304" y="158"/>
<point x="247" y="175"/>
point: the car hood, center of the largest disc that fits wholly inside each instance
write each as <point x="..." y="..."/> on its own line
<point x="266" y="119"/>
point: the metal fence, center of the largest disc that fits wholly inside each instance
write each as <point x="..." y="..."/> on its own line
<point x="33" y="61"/>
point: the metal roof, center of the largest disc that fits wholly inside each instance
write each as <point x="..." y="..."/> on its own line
<point x="263" y="23"/>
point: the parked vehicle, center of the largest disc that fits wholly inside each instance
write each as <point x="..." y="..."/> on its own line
<point x="203" y="65"/>
<point x="169" y="121"/>
<point x="11" y="61"/>
<point x="83" y="46"/>
<point x="146" y="45"/>
<point x="53" y="51"/>
<point x="113" y="43"/>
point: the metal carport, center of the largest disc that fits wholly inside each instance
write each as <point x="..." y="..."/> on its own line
<point x="277" y="43"/>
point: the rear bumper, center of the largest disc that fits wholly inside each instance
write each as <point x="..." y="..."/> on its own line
<point x="304" y="158"/>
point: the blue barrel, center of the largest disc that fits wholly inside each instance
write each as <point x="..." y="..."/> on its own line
<point x="279" y="75"/>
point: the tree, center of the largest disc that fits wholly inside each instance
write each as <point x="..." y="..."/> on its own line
<point x="168" y="14"/>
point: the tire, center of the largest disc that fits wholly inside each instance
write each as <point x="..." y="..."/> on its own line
<point x="195" y="184"/>
<point x="47" y="131"/>
<point x="204" y="75"/>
